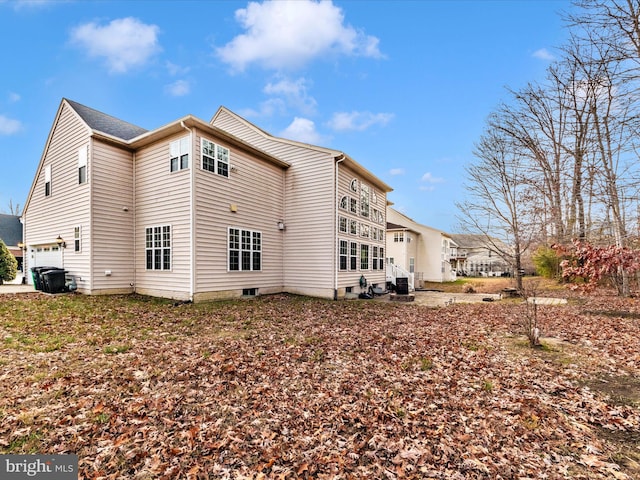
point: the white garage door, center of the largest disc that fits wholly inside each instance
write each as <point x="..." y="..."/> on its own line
<point x="45" y="256"/>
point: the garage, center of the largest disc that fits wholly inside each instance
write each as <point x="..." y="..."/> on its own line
<point x="45" y="256"/>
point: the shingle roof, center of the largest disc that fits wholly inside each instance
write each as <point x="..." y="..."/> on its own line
<point x="106" y="123"/>
<point x="10" y="229"/>
<point x="395" y="226"/>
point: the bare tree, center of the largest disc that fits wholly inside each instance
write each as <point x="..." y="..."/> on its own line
<point x="14" y="209"/>
<point x="500" y="204"/>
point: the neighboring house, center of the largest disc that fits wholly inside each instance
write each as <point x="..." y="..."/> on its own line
<point x="422" y="253"/>
<point x="11" y="235"/>
<point x="196" y="211"/>
<point x="478" y="258"/>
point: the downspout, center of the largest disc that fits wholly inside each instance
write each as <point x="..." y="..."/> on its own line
<point x="135" y="228"/>
<point x="336" y="243"/>
<point x="192" y="178"/>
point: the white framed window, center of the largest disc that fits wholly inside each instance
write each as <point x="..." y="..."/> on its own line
<point x="215" y="158"/>
<point x="364" y="200"/>
<point x="354" y="185"/>
<point x="245" y="250"/>
<point x="344" y="203"/>
<point x="47" y="180"/>
<point x="353" y="256"/>
<point x="342" y="258"/>
<point x="364" y="230"/>
<point x="412" y="265"/>
<point x="77" y="239"/>
<point x="364" y="256"/>
<point x="179" y="154"/>
<point x="158" y="247"/>
<point x="82" y="164"/>
<point x="342" y="224"/>
<point x="381" y="258"/>
<point x="353" y="206"/>
<point x="353" y="227"/>
<point x="398" y="237"/>
<point x="374" y="257"/>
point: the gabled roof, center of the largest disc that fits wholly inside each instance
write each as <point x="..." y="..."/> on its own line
<point x="10" y="229"/>
<point x="336" y="154"/>
<point x="101" y="122"/>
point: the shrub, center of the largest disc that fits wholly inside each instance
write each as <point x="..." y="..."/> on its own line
<point x="8" y="264"/>
<point x="547" y="262"/>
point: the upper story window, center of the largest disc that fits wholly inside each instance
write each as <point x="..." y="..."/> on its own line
<point x="344" y="203"/>
<point x="342" y="225"/>
<point x="353" y="206"/>
<point x="179" y="153"/>
<point x="47" y="180"/>
<point x="364" y="200"/>
<point x="354" y="185"/>
<point x="398" y="237"/>
<point x="215" y="158"/>
<point x="158" y="247"/>
<point x="82" y="165"/>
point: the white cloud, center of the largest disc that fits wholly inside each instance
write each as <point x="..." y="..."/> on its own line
<point x="302" y="130"/>
<point x="14" y="97"/>
<point x="9" y="126"/>
<point x="544" y="54"/>
<point x="178" y="88"/>
<point x="174" y="69"/>
<point x="124" y="43"/>
<point x="288" y="34"/>
<point x="294" y="93"/>
<point x="429" y="178"/>
<point x="359" y="121"/>
<point x="396" y="171"/>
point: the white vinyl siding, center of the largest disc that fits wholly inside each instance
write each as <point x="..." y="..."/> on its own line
<point x="68" y="206"/>
<point x="256" y="192"/>
<point x="113" y="243"/>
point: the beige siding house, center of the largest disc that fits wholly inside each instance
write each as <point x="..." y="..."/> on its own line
<point x="421" y="253"/>
<point x="197" y="211"/>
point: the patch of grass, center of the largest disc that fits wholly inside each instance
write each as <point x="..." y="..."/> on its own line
<point x="25" y="444"/>
<point x="116" y="349"/>
<point x="487" y="386"/>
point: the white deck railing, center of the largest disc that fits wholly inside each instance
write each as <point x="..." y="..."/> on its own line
<point x="395" y="271"/>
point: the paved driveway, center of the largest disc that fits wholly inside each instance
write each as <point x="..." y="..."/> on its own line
<point x="11" y="288"/>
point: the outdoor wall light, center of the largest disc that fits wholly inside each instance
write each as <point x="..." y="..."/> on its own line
<point x="61" y="243"/>
<point x="20" y="245"/>
<point x="280" y="225"/>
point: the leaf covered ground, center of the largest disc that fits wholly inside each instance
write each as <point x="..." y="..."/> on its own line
<point x="289" y="387"/>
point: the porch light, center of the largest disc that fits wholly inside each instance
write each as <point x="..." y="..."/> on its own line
<point x="280" y="225"/>
<point x="20" y="245"/>
<point x="61" y="243"/>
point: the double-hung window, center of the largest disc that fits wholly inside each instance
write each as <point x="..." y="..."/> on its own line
<point x="342" y="224"/>
<point x="215" y="158"/>
<point x="343" y="255"/>
<point x="245" y="250"/>
<point x="82" y="165"/>
<point x="179" y="153"/>
<point x="353" y="255"/>
<point x="47" y="181"/>
<point x="364" y="200"/>
<point x="158" y="247"/>
<point x="364" y="256"/>
<point x="77" y="245"/>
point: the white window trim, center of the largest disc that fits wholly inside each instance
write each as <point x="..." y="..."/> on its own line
<point x="77" y="239"/>
<point x="161" y="247"/>
<point x="178" y="149"/>
<point x="47" y="181"/>
<point x="218" y="151"/>
<point x="240" y="250"/>
<point x="83" y="155"/>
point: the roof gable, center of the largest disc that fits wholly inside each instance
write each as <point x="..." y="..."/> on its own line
<point x="104" y="123"/>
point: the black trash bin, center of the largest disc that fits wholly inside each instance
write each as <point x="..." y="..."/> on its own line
<point x="54" y="280"/>
<point x="36" y="275"/>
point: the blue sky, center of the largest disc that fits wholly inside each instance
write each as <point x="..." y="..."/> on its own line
<point x="403" y="87"/>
